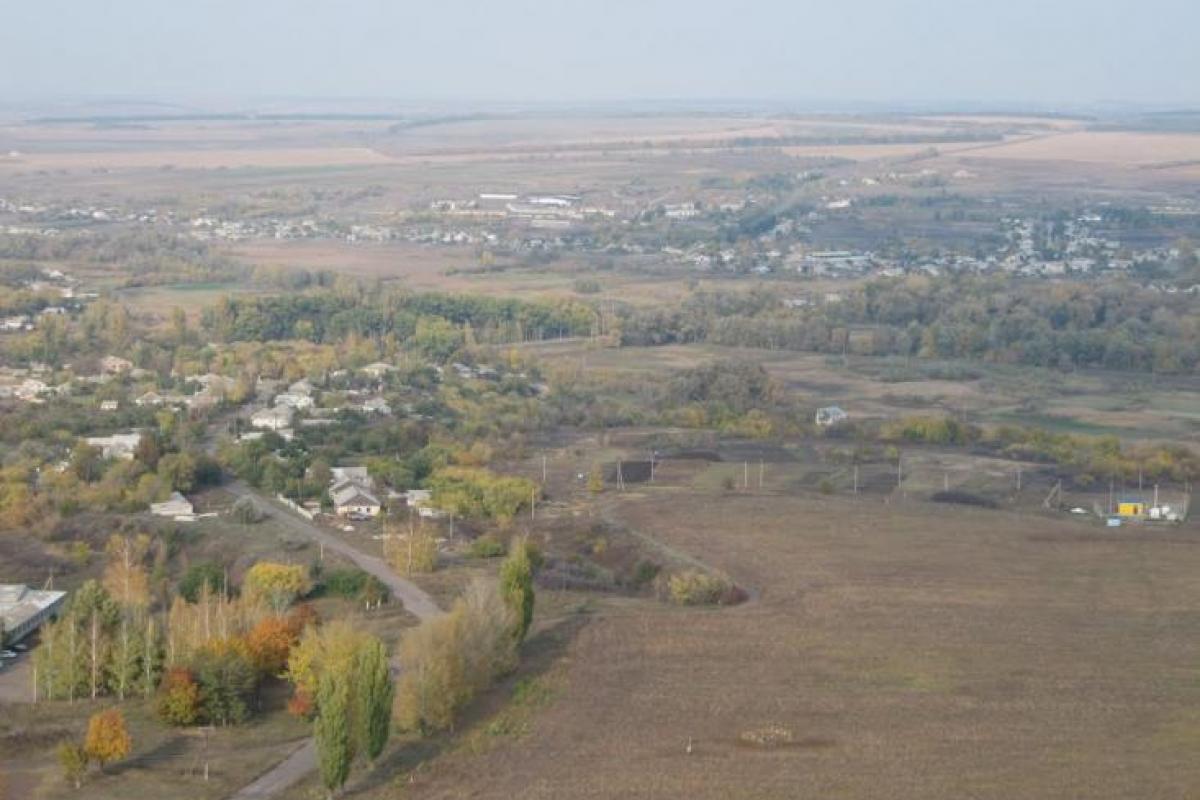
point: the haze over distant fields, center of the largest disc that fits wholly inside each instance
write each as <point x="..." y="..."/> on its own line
<point x="980" y="52"/>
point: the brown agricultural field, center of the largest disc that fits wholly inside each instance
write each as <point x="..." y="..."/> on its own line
<point x="895" y="650"/>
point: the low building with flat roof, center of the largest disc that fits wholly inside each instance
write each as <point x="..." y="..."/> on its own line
<point x="23" y="610"/>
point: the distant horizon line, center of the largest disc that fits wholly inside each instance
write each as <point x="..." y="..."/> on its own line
<point x="57" y="108"/>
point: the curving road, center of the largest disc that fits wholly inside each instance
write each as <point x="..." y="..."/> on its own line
<point x="303" y="760"/>
<point x="415" y="600"/>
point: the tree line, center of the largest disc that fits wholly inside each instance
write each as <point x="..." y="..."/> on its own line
<point x="435" y="323"/>
<point x="1114" y="324"/>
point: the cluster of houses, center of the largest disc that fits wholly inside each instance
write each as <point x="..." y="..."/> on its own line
<point x="535" y="210"/>
<point x="52" y="212"/>
<point x="52" y="283"/>
<point x="211" y="390"/>
<point x="28" y="385"/>
<point x="236" y="230"/>
<point x="281" y="413"/>
<point x="33" y="385"/>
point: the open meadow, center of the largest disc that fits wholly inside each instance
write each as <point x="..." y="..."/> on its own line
<point x="889" y="648"/>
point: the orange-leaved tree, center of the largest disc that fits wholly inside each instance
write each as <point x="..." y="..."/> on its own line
<point x="270" y="643"/>
<point x="107" y="738"/>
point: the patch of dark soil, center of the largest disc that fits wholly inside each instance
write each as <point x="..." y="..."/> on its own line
<point x="627" y="472"/>
<point x="691" y="455"/>
<point x="756" y="451"/>
<point x="959" y="497"/>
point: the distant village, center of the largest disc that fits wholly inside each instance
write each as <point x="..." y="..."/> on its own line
<point x="616" y="224"/>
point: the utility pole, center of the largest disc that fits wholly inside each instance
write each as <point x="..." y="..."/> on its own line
<point x="620" y="476"/>
<point x="1018" y="479"/>
<point x="746" y="475"/>
<point x="533" y="503"/>
<point x="945" y="481"/>
<point x="543" y="469"/>
<point x="207" y="731"/>
<point x="761" y="469"/>
<point x="856" y="478"/>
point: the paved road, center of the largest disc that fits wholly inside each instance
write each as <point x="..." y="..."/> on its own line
<point x="303" y="760"/>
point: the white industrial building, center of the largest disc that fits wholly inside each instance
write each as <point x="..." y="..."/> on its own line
<point x="23" y="610"/>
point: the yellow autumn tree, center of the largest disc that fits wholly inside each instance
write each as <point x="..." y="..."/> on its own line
<point x="275" y="585"/>
<point x="107" y="738"/>
<point x="125" y="575"/>
<point x="324" y="649"/>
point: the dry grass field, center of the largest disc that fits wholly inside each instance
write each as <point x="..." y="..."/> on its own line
<point x="457" y="269"/>
<point x="1122" y="164"/>
<point x="1118" y="149"/>
<point x="893" y="650"/>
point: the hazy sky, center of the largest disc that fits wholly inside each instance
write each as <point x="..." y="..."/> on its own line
<point x="999" y="52"/>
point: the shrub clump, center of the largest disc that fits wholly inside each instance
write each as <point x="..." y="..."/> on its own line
<point x="486" y="546"/>
<point x="247" y="512"/>
<point x="696" y="588"/>
<point x="770" y="736"/>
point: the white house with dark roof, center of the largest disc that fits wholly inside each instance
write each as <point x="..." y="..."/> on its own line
<point x="353" y="492"/>
<point x="352" y="500"/>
